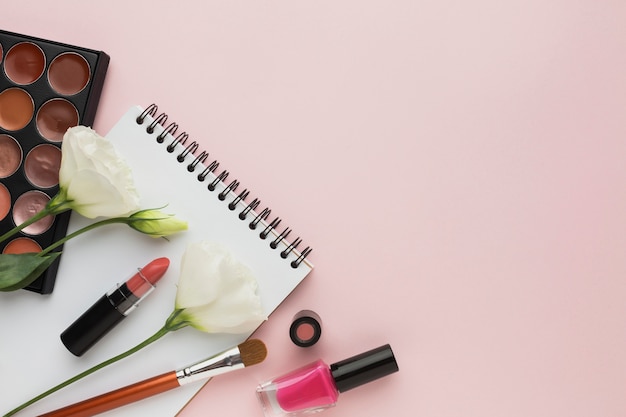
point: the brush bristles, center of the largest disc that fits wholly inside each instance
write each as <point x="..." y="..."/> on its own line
<point x="252" y="351"/>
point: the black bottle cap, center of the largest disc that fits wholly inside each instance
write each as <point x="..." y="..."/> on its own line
<point x="366" y="367"/>
<point x="306" y="328"/>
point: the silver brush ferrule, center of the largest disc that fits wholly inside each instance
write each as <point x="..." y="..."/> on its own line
<point x="226" y="361"/>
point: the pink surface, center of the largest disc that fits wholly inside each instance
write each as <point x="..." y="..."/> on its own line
<point x="458" y="167"/>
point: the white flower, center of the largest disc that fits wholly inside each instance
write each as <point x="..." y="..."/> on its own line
<point x="216" y="292"/>
<point x="94" y="180"/>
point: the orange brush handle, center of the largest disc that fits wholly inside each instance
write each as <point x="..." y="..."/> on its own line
<point x="119" y="397"/>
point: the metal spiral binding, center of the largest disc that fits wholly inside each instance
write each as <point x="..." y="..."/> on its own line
<point x="242" y="196"/>
<point x="182" y="139"/>
<point x="200" y="159"/>
<point x="231" y="187"/>
<point x="209" y="169"/>
<point x="191" y="149"/>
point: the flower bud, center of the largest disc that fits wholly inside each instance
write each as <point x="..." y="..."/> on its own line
<point x="155" y="223"/>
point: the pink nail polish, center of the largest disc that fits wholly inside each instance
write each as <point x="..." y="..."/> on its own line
<point x="316" y="386"/>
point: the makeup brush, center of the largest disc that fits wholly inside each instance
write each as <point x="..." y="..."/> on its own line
<point x="248" y="353"/>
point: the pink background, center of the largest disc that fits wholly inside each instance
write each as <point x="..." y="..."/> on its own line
<point x="458" y="167"/>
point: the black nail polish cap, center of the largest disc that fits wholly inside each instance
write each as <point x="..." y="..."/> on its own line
<point x="366" y="367"/>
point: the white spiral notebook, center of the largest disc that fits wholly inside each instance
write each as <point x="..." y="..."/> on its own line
<point x="170" y="171"/>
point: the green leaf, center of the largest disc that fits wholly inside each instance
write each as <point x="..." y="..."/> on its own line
<point x="19" y="270"/>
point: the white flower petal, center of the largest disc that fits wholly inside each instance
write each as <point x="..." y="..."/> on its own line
<point x="199" y="281"/>
<point x="96" y="178"/>
<point x="106" y="202"/>
<point x="217" y="292"/>
<point x="229" y="318"/>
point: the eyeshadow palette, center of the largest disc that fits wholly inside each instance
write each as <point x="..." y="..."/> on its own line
<point x="45" y="88"/>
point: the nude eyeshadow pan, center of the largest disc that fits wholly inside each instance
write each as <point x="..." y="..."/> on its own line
<point x="46" y="87"/>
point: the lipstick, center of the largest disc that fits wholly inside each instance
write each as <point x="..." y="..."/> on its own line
<point x="112" y="308"/>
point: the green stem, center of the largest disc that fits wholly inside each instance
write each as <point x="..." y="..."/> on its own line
<point x="58" y="204"/>
<point x="159" y="334"/>
<point x="81" y="231"/>
<point x="43" y="213"/>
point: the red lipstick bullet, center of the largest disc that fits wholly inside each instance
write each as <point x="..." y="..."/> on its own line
<point x="112" y="308"/>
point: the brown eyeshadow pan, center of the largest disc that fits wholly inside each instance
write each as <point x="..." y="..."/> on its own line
<point x="69" y="73"/>
<point x="25" y="63"/>
<point x="5" y="201"/>
<point x="22" y="245"/>
<point x="46" y="87"/>
<point x="55" y="117"/>
<point x="16" y="109"/>
<point x="42" y="165"/>
<point x="10" y="155"/>
<point x="26" y="206"/>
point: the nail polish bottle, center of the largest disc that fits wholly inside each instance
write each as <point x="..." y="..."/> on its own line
<point x="316" y="386"/>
